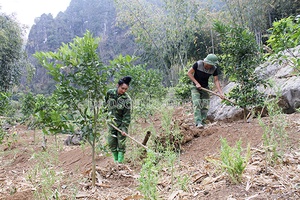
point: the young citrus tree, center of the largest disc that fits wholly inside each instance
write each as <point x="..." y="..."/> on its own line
<point x="81" y="86"/>
<point x="285" y="35"/>
<point x="240" y="57"/>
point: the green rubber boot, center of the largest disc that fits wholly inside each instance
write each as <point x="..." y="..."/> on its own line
<point x="115" y="154"/>
<point x="121" y="157"/>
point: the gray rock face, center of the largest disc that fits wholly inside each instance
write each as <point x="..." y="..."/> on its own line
<point x="73" y="140"/>
<point x="284" y="83"/>
<point x="219" y="111"/>
<point x="291" y="92"/>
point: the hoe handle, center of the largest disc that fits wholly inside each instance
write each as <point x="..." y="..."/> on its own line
<point x="128" y="136"/>
<point x="207" y="90"/>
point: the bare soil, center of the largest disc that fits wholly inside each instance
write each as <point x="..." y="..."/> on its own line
<point x="26" y="171"/>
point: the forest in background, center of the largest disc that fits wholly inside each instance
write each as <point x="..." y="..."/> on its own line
<point x="153" y="41"/>
<point x="165" y="35"/>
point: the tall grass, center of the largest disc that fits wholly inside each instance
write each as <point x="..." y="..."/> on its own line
<point x="275" y="138"/>
<point x="167" y="157"/>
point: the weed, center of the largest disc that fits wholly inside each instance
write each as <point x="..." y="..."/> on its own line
<point x="149" y="177"/>
<point x="44" y="176"/>
<point x="171" y="137"/>
<point x="275" y="136"/>
<point x="12" y="139"/>
<point x="135" y="150"/>
<point x="170" y="158"/>
<point x="2" y="135"/>
<point x="183" y="182"/>
<point x="168" y="140"/>
<point x="232" y="161"/>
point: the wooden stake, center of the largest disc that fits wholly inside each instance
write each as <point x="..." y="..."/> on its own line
<point x="146" y="138"/>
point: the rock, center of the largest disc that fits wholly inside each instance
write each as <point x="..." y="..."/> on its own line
<point x="284" y="82"/>
<point x="73" y="140"/>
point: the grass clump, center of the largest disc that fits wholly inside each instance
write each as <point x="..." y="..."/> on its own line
<point x="232" y="160"/>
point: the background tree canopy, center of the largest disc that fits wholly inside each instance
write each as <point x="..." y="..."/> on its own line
<point x="164" y="34"/>
<point x="10" y="52"/>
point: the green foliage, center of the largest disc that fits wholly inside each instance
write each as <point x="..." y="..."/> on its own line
<point x="81" y="15"/>
<point x="145" y="87"/>
<point x="165" y="31"/>
<point x="275" y="138"/>
<point x="4" y="102"/>
<point x="184" y="182"/>
<point x="282" y="9"/>
<point x="285" y="34"/>
<point x="2" y="135"/>
<point x="239" y="59"/>
<point x="50" y="115"/>
<point x="170" y="138"/>
<point x="183" y="88"/>
<point x="145" y="84"/>
<point x="10" y="52"/>
<point x="232" y="161"/>
<point x="6" y="111"/>
<point x="8" y="108"/>
<point x="166" y="159"/>
<point x="149" y="177"/>
<point x="81" y="88"/>
<point x="81" y="79"/>
<point x="171" y="157"/>
<point x="249" y="13"/>
<point x="2" y="132"/>
<point x="11" y="139"/>
<point x="44" y="176"/>
<point x="27" y="105"/>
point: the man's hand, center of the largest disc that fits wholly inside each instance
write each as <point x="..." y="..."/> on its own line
<point x="198" y="86"/>
<point x="222" y="96"/>
<point x="123" y="133"/>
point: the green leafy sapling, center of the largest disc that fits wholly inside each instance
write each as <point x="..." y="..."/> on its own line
<point x="81" y="82"/>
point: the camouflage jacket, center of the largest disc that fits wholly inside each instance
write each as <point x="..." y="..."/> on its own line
<point x="120" y="107"/>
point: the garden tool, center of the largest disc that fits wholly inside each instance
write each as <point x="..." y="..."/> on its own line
<point x="128" y="136"/>
<point x="207" y="90"/>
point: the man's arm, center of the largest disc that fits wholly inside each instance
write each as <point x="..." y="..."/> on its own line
<point x="218" y="85"/>
<point x="190" y="73"/>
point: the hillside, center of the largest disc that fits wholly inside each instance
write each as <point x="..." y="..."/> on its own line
<point x="49" y="33"/>
<point x="26" y="169"/>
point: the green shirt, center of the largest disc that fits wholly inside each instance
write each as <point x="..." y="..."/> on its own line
<point x="120" y="108"/>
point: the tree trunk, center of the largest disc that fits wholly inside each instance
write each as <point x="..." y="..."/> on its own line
<point x="93" y="164"/>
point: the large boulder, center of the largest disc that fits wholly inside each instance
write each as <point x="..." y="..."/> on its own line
<point x="219" y="111"/>
<point x="284" y="82"/>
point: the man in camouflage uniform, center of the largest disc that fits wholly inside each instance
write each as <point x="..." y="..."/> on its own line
<point x="199" y="73"/>
<point x="118" y="103"/>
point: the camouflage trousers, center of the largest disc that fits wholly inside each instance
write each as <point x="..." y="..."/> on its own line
<point x="200" y="99"/>
<point x="116" y="141"/>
